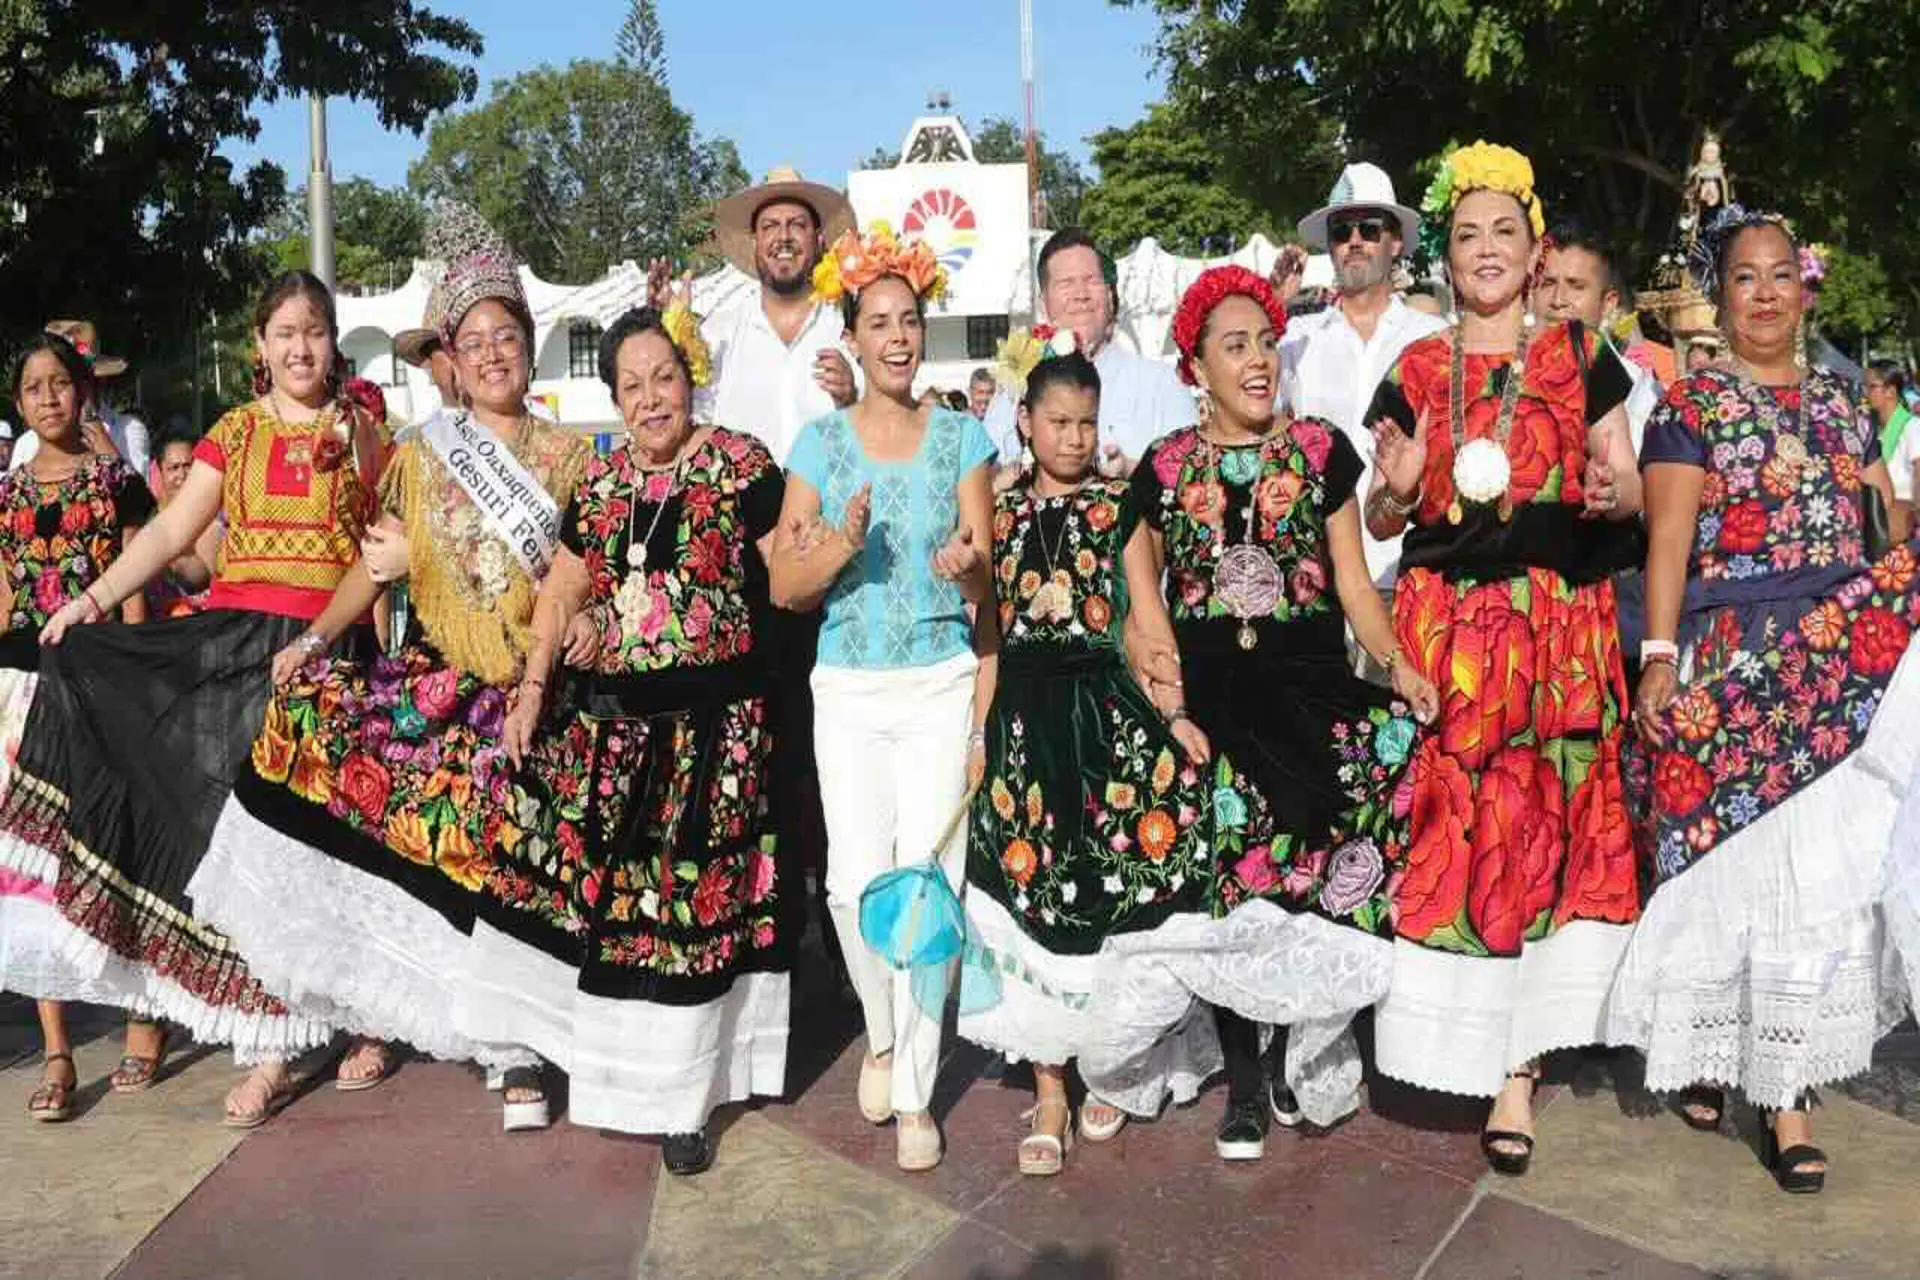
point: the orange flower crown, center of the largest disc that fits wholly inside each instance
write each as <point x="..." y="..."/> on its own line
<point x="855" y="261"/>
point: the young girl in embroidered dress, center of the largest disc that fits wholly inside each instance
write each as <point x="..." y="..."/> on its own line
<point x="64" y="516"/>
<point x="1093" y="814"/>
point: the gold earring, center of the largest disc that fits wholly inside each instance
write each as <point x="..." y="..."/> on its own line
<point x="1800" y="344"/>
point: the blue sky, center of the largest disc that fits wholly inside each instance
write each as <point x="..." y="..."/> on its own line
<point x="787" y="85"/>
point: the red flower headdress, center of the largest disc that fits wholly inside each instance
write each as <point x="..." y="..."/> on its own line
<point x="1216" y="285"/>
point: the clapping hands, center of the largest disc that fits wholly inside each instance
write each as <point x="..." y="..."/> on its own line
<point x="958" y="559"/>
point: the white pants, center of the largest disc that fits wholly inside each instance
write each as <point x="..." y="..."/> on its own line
<point x="892" y="750"/>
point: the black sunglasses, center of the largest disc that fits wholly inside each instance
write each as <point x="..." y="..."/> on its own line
<point x="1370" y="229"/>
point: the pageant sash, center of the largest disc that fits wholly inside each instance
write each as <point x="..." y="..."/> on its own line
<point x="517" y="508"/>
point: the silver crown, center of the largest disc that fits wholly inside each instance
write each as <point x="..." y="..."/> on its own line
<point x="469" y="262"/>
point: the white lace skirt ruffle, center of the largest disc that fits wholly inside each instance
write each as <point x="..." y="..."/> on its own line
<point x="1045" y="998"/>
<point x="632" y="1065"/>
<point x="1460" y="1023"/>
<point x="1766" y="966"/>
<point x="336" y="944"/>
<point x="1149" y="1035"/>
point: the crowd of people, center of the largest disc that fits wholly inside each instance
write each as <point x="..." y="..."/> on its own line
<point x="1459" y="667"/>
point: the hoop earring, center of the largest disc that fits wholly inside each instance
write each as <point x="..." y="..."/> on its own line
<point x="1206" y="408"/>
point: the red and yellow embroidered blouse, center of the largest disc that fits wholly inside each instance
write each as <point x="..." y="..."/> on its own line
<point x="294" y="516"/>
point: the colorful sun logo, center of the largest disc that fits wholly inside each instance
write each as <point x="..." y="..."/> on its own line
<point x="946" y="223"/>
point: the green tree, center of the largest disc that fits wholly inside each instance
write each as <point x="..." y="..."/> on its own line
<point x="377" y="233"/>
<point x="1002" y="140"/>
<point x="113" y="201"/>
<point x="1609" y="98"/>
<point x="587" y="166"/>
<point x="1159" y="178"/>
<point x="1857" y="303"/>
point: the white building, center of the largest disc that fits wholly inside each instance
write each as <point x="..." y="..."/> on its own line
<point x="975" y="216"/>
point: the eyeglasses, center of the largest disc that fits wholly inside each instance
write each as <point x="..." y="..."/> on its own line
<point x="1370" y="229"/>
<point x="505" y="340"/>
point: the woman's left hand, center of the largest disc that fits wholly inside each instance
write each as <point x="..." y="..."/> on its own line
<point x="1602" y="493"/>
<point x="959" y="559"/>
<point x="385" y="554"/>
<point x="517" y="734"/>
<point x="1192" y="740"/>
<point x="1417" y="690"/>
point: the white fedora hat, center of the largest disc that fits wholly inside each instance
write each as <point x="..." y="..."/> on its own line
<point x="1361" y="186"/>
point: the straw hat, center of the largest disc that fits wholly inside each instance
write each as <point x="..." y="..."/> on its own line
<point x="733" y="216"/>
<point x="86" y="340"/>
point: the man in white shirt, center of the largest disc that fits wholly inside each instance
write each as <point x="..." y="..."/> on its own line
<point x="778" y="362"/>
<point x="1141" y="398"/>
<point x="1332" y="362"/>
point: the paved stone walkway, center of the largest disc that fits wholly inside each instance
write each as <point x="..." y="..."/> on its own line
<point x="415" y="1181"/>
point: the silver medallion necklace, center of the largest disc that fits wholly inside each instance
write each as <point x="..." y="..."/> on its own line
<point x="1246" y="580"/>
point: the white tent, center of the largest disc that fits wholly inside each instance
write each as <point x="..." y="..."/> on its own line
<point x="567" y="319"/>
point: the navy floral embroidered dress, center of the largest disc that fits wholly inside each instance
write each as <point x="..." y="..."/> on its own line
<point x="1766" y="814"/>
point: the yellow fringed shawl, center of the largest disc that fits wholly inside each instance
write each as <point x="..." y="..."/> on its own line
<point x="468" y="591"/>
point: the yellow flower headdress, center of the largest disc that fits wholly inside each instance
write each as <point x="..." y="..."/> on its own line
<point x="1020" y="353"/>
<point x="1484" y="166"/>
<point x="855" y="261"/>
<point x="683" y="330"/>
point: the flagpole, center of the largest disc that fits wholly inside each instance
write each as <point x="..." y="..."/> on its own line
<point x="320" y="190"/>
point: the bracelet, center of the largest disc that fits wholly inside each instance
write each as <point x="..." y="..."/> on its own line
<point x="1397" y="507"/>
<point x="310" y="643"/>
<point x="1657" y="650"/>
<point x="94" y="611"/>
<point x="977" y="740"/>
<point x="1661" y="660"/>
<point x="1178" y="714"/>
<point x="533" y="684"/>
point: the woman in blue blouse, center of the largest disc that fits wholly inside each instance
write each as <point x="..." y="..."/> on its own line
<point x="887" y="521"/>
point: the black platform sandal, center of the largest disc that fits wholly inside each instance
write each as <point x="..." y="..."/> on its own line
<point x="1786" y="1165"/>
<point x="1702" y="1097"/>
<point x="1513" y="1164"/>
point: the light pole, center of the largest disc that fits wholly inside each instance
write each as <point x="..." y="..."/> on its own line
<point x="319" y="191"/>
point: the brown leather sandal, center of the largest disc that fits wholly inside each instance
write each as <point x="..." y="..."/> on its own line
<point x="52" y="1102"/>
<point x="136" y="1074"/>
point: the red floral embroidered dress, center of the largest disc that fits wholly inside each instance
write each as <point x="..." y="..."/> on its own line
<point x="1519" y="886"/>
